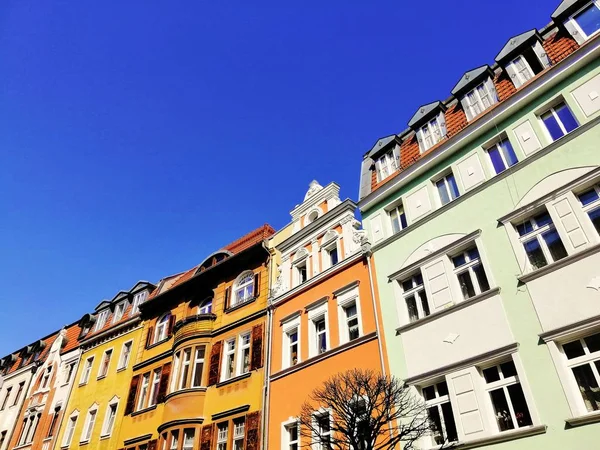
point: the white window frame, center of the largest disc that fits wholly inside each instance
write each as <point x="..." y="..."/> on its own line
<point x="87" y="370"/>
<point x="314" y="315"/>
<point x="437" y="402"/>
<point x="107" y="426"/>
<point x="162" y="327"/>
<point x="537" y="234"/>
<point x="286" y="441"/>
<point x="138" y="299"/>
<point x="155" y="386"/>
<point x="205" y="307"/>
<point x="432" y="131"/>
<point x="174" y="440"/>
<point x="101" y="320"/>
<point x="124" y="358"/>
<point x="222" y="435"/>
<point x="590" y="206"/>
<point x="552" y="109"/>
<point x="241" y="348"/>
<point x="187" y="432"/>
<point x="316" y="416"/>
<point x="344" y="300"/>
<point x="288" y="328"/>
<point x="229" y="351"/>
<point x="297" y="264"/>
<point x="239" y="432"/>
<point x="242" y="283"/>
<point x="198" y="360"/>
<point x="395" y="212"/>
<point x="89" y="424"/>
<point x="496" y="146"/>
<point x="579" y="11"/>
<point x="185" y="367"/>
<point x="100" y="374"/>
<point x="119" y="312"/>
<point x="144" y="391"/>
<point x="70" y="431"/>
<point x="519" y="72"/>
<point x="46" y="378"/>
<point x="330" y="242"/>
<point x="386" y="165"/>
<point x="415" y="291"/>
<point x="444" y="178"/>
<point x="469" y="267"/>
<point x="476" y="94"/>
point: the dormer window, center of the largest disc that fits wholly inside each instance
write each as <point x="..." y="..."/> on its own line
<point x="119" y="311"/>
<point x="476" y="91"/>
<point x="431" y="134"/>
<point x="386" y="165"/>
<point x="101" y="320"/>
<point x="522" y="70"/>
<point x="523" y="57"/>
<point x="479" y="99"/>
<point x="587" y="19"/>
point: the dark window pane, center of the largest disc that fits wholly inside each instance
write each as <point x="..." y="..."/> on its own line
<point x="411" y="305"/>
<point x="407" y="285"/>
<point x="501" y="410"/>
<point x="535" y="254"/>
<point x="424" y="303"/>
<point x="593" y="342"/>
<point x="419" y="279"/>
<point x="403" y="220"/>
<point x="509" y="153"/>
<point x="519" y="405"/>
<point x="333" y="254"/>
<point x="459" y="260"/>
<point x="524" y="228"/>
<point x="451" y="434"/>
<point x="466" y="284"/>
<point x="588" y="386"/>
<point x="588" y="197"/>
<point x="491" y="374"/>
<point x="497" y="162"/>
<point x="436" y="425"/>
<point x="473" y="254"/>
<point x="552" y="126"/>
<point x="555" y="245"/>
<point x="484" y="285"/>
<point x="442" y="389"/>
<point x="589" y="19"/>
<point x="543" y="219"/>
<point x="508" y="369"/>
<point x="573" y="349"/>
<point x="566" y="117"/>
<point x="429" y="392"/>
<point x="595" y="216"/>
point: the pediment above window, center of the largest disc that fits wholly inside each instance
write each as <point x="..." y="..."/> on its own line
<point x="471" y="79"/>
<point x="424" y="113"/>
<point x="431" y="247"/>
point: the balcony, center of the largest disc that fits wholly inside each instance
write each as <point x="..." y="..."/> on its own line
<point x="194" y="326"/>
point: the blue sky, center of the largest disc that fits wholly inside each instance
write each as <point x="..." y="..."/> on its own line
<point x="137" y="137"/>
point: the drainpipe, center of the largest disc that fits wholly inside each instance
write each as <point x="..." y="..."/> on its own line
<point x="25" y="395"/>
<point x="266" y="386"/>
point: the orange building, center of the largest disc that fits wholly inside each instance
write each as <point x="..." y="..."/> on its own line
<point x="198" y="381"/>
<point x="324" y="318"/>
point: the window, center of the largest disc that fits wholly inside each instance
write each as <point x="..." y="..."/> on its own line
<point x="506" y="396"/>
<point x="541" y="241"/>
<point x="447" y="189"/>
<point x="323" y="427"/>
<point x="125" y="355"/>
<point x="52" y="423"/>
<point x="386" y="165"/>
<point x="104" y="365"/>
<point x="244" y="289"/>
<point x="239" y="426"/>
<point x="138" y="299"/>
<point x="46" y="377"/>
<point x="87" y="369"/>
<point x="69" y="370"/>
<point x="470" y="273"/>
<point x="2" y="438"/>
<point x="522" y="70"/>
<point x="502" y="156"/>
<point x="415" y="298"/>
<point x="351" y="319"/>
<point x="479" y="99"/>
<point x="320" y="330"/>
<point x="229" y="359"/>
<point x="301" y="272"/>
<point x="69" y="431"/>
<point x="588" y="20"/>
<point x="6" y="396"/>
<point x="292" y="437"/>
<point x="397" y="219"/>
<point x="90" y="421"/>
<point x="292" y="345"/>
<point x="19" y="391"/>
<point x="119" y="311"/>
<point x="439" y="410"/>
<point x="185" y="368"/>
<point x="432" y="134"/>
<point x="188" y="439"/>
<point x="143" y="391"/>
<point x="332" y="255"/>
<point x="583" y="358"/>
<point x="162" y="327"/>
<point x="198" y="366"/>
<point x="155" y="387"/>
<point x="174" y="440"/>
<point x="109" y="420"/>
<point x="205" y="307"/>
<point x="244" y="364"/>
<point x="590" y="200"/>
<point x="559" y="121"/>
<point x="101" y="320"/>
<point x="222" y="436"/>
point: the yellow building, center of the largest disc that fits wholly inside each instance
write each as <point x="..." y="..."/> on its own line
<point x="110" y="341"/>
<point x="198" y="382"/>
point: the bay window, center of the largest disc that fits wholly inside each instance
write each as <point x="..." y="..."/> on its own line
<point x="188" y="439"/>
<point x="583" y="359"/>
<point x="198" y="366"/>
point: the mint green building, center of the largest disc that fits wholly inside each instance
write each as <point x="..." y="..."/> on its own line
<point x="484" y="220"/>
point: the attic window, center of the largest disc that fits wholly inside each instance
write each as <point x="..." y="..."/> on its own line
<point x="479" y="99"/>
<point x="312" y="216"/>
<point x="386" y="165"/>
<point x="524" y="67"/>
<point x="431" y="133"/>
<point x="587" y="20"/>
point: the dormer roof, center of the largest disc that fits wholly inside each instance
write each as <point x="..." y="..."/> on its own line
<point x="424" y="112"/>
<point x="103" y="304"/>
<point x="470" y="78"/>
<point x="564" y="8"/>
<point x="515" y="43"/>
<point x="381" y="145"/>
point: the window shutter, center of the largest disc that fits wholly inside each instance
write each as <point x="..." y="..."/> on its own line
<point x="206" y="437"/>
<point x="436" y="279"/>
<point x="152" y="444"/>
<point x="164" y="382"/>
<point x="489" y="84"/>
<point x="462" y="387"/>
<point x="132" y="393"/>
<point x="227" y="295"/>
<point x="442" y="121"/>
<point x="465" y="106"/>
<point x="256" y="285"/>
<point x="256" y="361"/>
<point x="252" y="431"/>
<point x="215" y="363"/>
<point x="149" y="336"/>
<point x="512" y="74"/>
<point x="171" y="324"/>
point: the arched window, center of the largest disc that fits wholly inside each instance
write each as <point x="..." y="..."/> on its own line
<point x="243" y="289"/>
<point x="162" y="327"/>
<point x="205" y="307"/>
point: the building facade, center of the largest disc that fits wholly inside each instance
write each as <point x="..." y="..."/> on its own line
<point x="198" y="379"/>
<point x="484" y="217"/>
<point x="109" y="341"/>
<point x="323" y="313"/>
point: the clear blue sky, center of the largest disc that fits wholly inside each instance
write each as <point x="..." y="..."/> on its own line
<point x="136" y="137"/>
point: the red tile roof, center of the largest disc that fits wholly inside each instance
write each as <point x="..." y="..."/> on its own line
<point x="559" y="46"/>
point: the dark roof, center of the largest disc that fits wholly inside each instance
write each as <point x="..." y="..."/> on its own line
<point x="381" y="144"/>
<point x="423" y="112"/>
<point x="514" y="43"/>
<point x="470" y="77"/>
<point x="564" y="7"/>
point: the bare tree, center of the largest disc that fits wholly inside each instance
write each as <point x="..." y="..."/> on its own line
<point x="363" y="410"/>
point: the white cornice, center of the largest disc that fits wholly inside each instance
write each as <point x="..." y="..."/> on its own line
<point x="332" y="190"/>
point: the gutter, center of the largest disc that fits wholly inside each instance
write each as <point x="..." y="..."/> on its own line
<point x="267" y="381"/>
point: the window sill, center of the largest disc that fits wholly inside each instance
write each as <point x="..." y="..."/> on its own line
<point x="234" y="379"/>
<point x="240" y="305"/>
<point x="121" y="369"/>
<point x="82" y="384"/>
<point x="559" y="264"/>
<point x="84" y="442"/>
<point x="156" y="344"/>
<point x="502" y="437"/>
<point x="193" y="390"/>
<point x="142" y="411"/>
<point x="583" y="419"/>
<point x="448" y="310"/>
<point x="104" y="437"/>
<point x="102" y="377"/>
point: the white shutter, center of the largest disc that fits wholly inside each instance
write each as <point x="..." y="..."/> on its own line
<point x="568" y="223"/>
<point x="437" y="283"/>
<point x="442" y="123"/>
<point x="527" y="138"/>
<point x="541" y="54"/>
<point x="573" y="31"/>
<point x="512" y="74"/>
<point x="467" y="411"/>
<point x="491" y="88"/>
<point x="464" y="101"/>
<point x="376" y="229"/>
